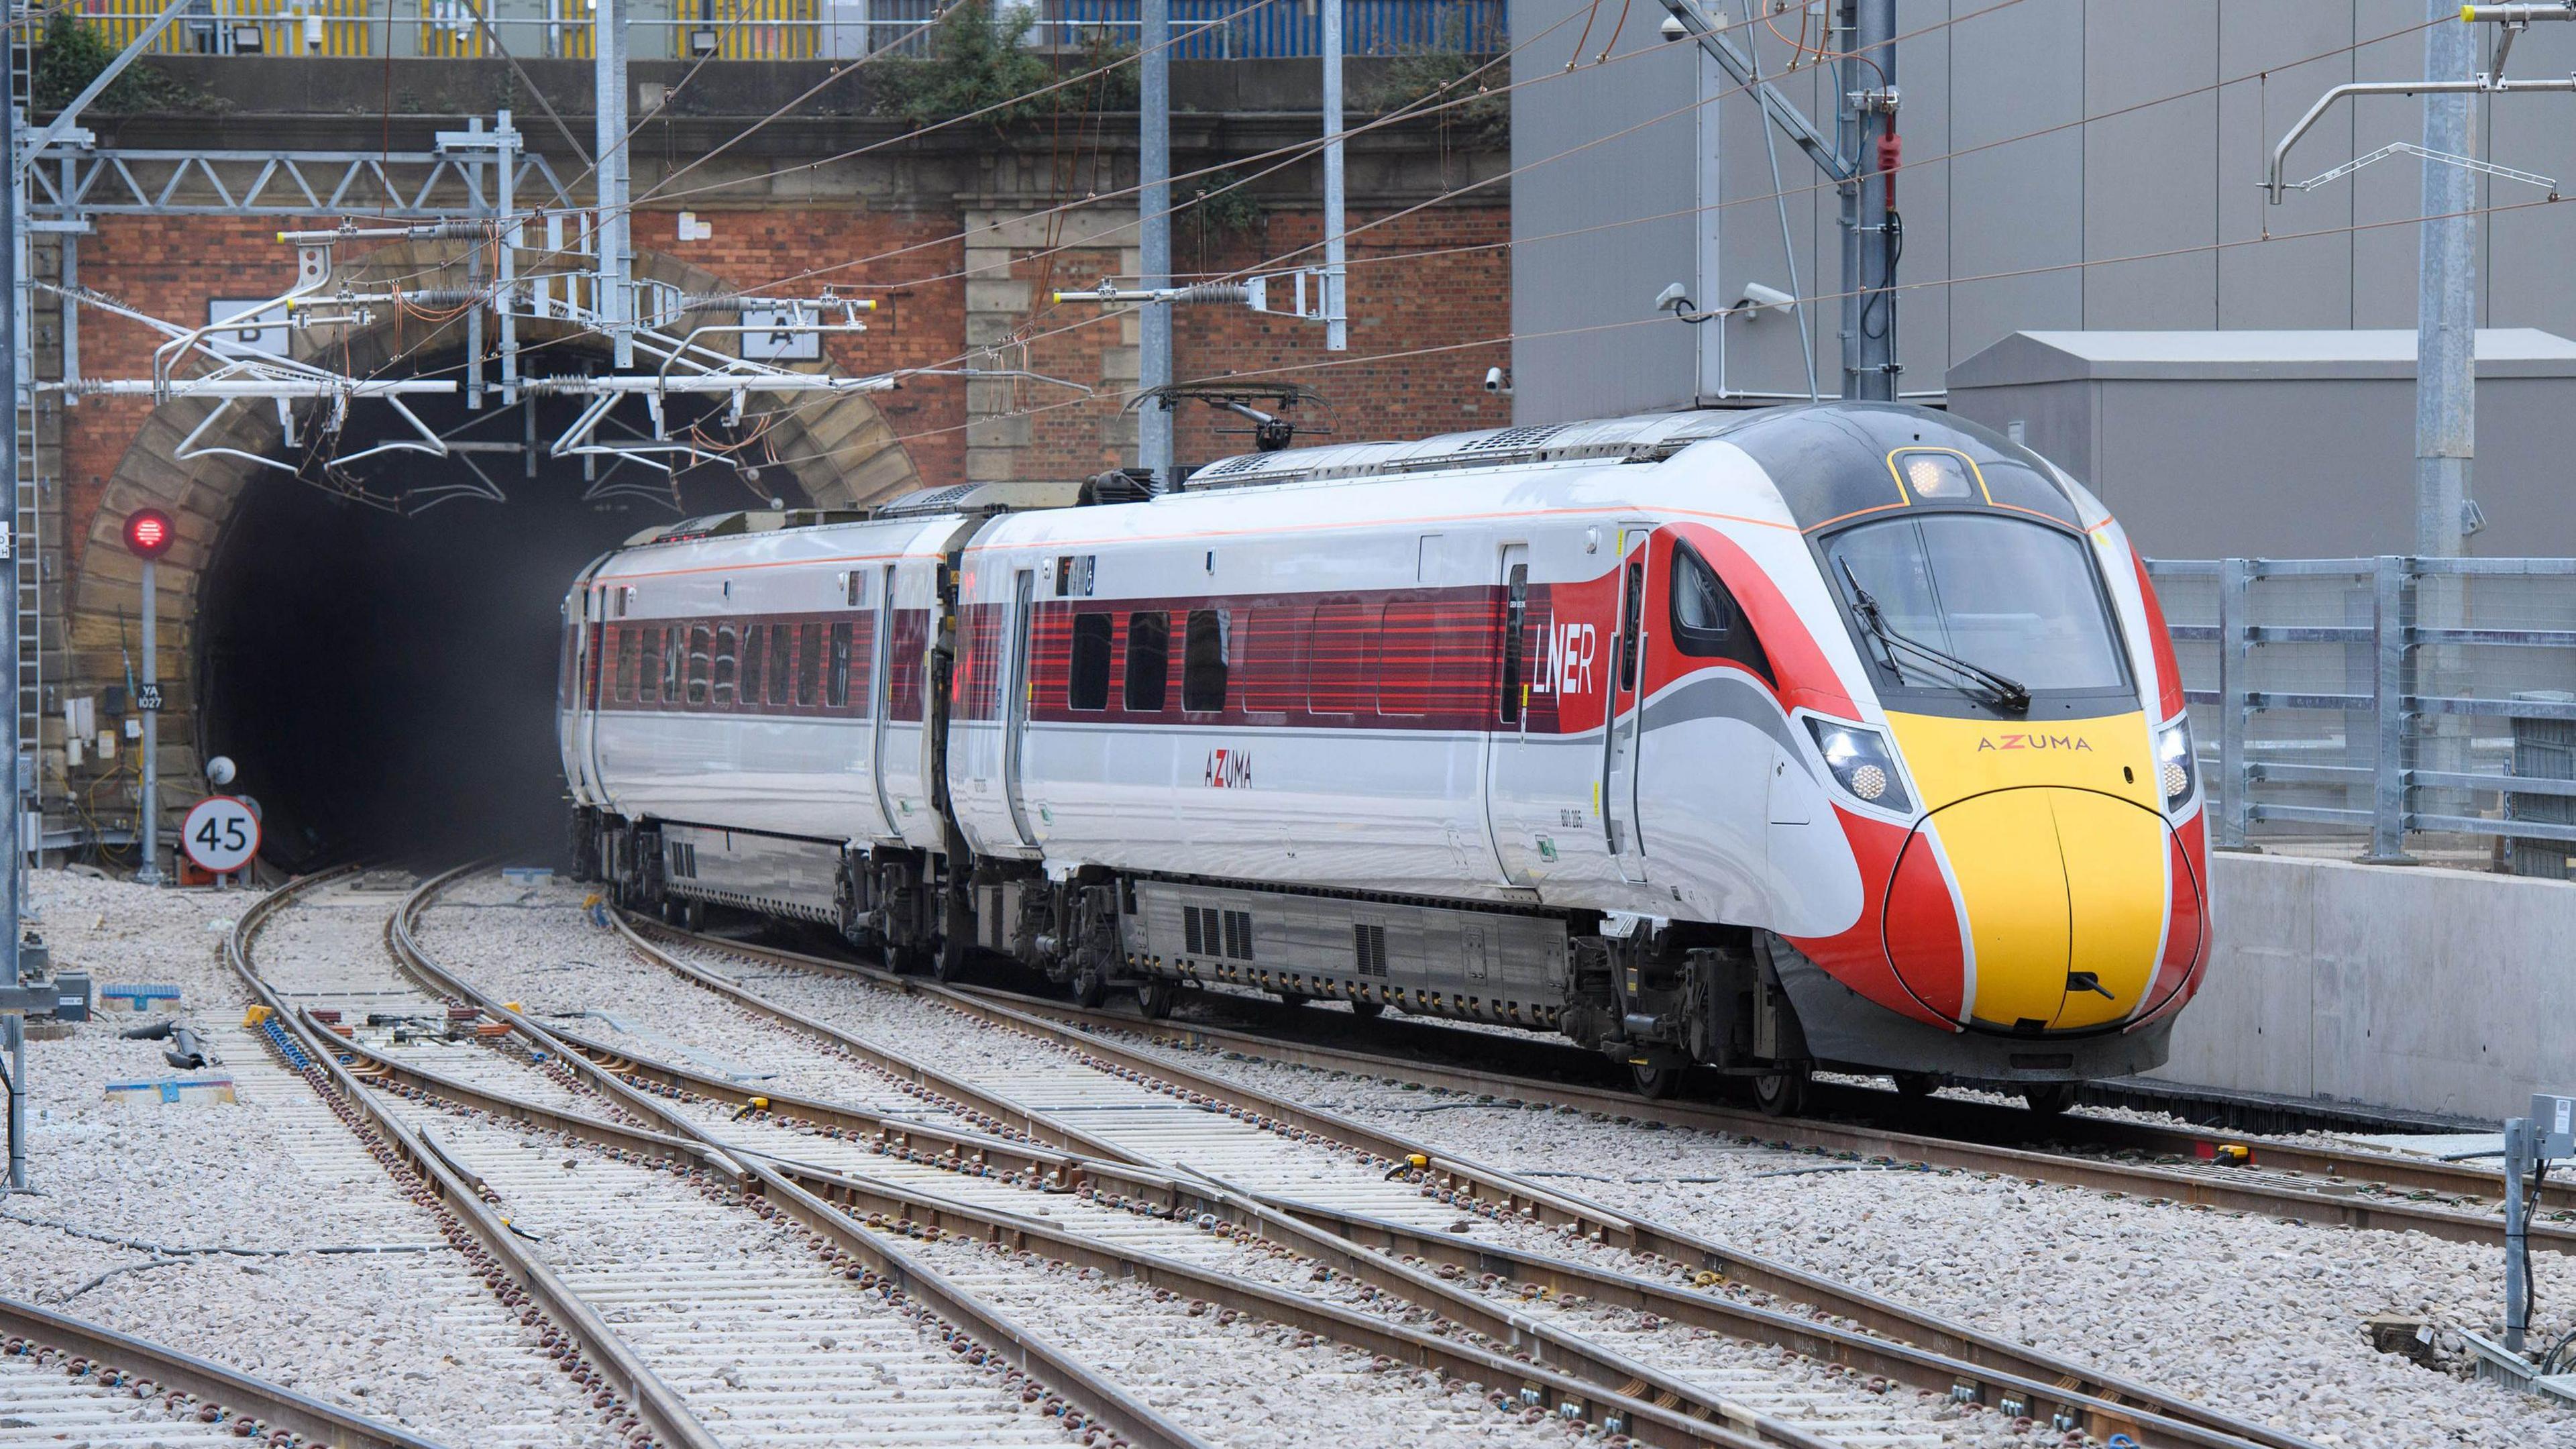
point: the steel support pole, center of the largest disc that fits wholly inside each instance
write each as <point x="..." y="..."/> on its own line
<point x="13" y="226"/>
<point x="1869" y="245"/>
<point x="148" y="811"/>
<point x="2518" y="1134"/>
<point x="1337" y="327"/>
<point x="2235" y="711"/>
<point x="2389" y="796"/>
<point x="608" y="74"/>
<point x="1154" y="210"/>
<point x="2445" y="377"/>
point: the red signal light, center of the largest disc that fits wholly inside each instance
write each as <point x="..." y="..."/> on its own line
<point x="149" y="532"/>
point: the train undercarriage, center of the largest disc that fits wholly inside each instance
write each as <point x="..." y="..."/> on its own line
<point x="1659" y="998"/>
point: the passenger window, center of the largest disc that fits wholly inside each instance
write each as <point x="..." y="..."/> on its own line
<point x="1203" y="663"/>
<point x="701" y="646"/>
<point x="1271" y="660"/>
<point x="1149" y="661"/>
<point x="1086" y="683"/>
<point x="674" y="651"/>
<point x="630" y="647"/>
<point x="725" y="656"/>
<point x="1707" y="622"/>
<point x="755" y="638"/>
<point x="782" y="664"/>
<point x="1341" y="659"/>
<point x="837" y="694"/>
<point x="809" y="663"/>
<point x="648" y="675"/>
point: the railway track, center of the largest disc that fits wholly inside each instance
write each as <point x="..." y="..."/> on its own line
<point x="1118" y="1124"/>
<point x="715" y="1314"/>
<point x="2295" y="1181"/>
<point x="1160" y="1226"/>
<point x="66" y="1380"/>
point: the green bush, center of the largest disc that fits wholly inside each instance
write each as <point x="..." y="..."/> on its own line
<point x="72" y="57"/>
<point x="1218" y="206"/>
<point x="976" y="61"/>
<point x="1439" y="76"/>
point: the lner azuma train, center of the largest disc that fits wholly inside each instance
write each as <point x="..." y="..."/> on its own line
<point x="1842" y="736"/>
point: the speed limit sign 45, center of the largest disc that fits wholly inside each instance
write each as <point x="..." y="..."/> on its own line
<point x="221" y="834"/>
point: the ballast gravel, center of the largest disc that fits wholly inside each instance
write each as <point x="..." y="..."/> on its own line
<point x="534" y="944"/>
<point x="404" y="1336"/>
<point x="2251" y="1314"/>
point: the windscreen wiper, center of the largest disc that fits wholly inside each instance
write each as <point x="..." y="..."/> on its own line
<point x="2009" y="694"/>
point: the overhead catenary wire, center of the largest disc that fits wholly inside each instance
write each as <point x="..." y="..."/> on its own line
<point x="1499" y="339"/>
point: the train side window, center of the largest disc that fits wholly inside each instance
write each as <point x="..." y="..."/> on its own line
<point x="1149" y="660"/>
<point x="727" y="643"/>
<point x="701" y="650"/>
<point x="1203" y="662"/>
<point x="1341" y="659"/>
<point x="1515" y="621"/>
<point x="675" y="654"/>
<point x="1632" y="614"/>
<point x="1271" y="660"/>
<point x="809" y="663"/>
<point x="755" y="640"/>
<point x="837" y="679"/>
<point x="1086" y="683"/>
<point x="648" y="665"/>
<point x="1707" y="622"/>
<point x="782" y="664"/>
<point x="621" y="680"/>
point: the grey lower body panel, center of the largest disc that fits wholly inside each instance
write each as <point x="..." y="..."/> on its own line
<point x="1428" y="960"/>
<point x="1844" y="1028"/>
<point x="783" y="875"/>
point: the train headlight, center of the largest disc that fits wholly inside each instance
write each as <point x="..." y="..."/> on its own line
<point x="1862" y="763"/>
<point x="2174" y="766"/>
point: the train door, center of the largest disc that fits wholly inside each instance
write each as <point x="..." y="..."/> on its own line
<point x="1626" y="711"/>
<point x="1511" y="770"/>
<point x="881" y="673"/>
<point x="1015" y="697"/>
<point x="593" y="677"/>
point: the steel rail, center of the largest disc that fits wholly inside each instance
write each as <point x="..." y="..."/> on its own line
<point x="1972" y="1359"/>
<point x="1099" y="1400"/>
<point x="1590" y="1382"/>
<point x="653" y="1401"/>
<point x="911" y="1210"/>
<point x="1333" y="1236"/>
<point x="168" y="1370"/>
<point x="2198" y="1189"/>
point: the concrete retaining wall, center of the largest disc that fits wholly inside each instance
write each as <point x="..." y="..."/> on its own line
<point x="2430" y="990"/>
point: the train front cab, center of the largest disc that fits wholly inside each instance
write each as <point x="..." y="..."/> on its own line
<point x="2025" y="813"/>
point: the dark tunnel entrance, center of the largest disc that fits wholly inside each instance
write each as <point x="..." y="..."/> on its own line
<point x="384" y="676"/>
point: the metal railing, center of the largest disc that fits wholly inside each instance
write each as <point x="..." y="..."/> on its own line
<point x="2380" y="696"/>
<point x="774" y="29"/>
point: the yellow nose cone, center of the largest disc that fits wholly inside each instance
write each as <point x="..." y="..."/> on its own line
<point x="2061" y="894"/>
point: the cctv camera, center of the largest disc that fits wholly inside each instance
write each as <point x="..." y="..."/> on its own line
<point x="1671" y="29"/>
<point x="1498" y="379"/>
<point x="1674" y="299"/>
<point x="1758" y="299"/>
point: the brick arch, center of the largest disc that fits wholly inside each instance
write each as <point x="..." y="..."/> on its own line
<point x="842" y="453"/>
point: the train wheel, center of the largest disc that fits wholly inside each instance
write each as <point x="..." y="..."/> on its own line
<point x="1154" y="996"/>
<point x="949" y="960"/>
<point x="1089" y="986"/>
<point x="1655" y="1082"/>
<point x="1367" y="1010"/>
<point x="2050" y="1100"/>
<point x="1915" y="1086"/>
<point x="1294" y="998"/>
<point x="693" y="914"/>
<point x="1781" y="1094"/>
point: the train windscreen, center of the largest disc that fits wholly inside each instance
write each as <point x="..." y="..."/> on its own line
<point x="2010" y="598"/>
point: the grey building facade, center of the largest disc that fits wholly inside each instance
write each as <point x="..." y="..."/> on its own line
<point x="2068" y="165"/>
